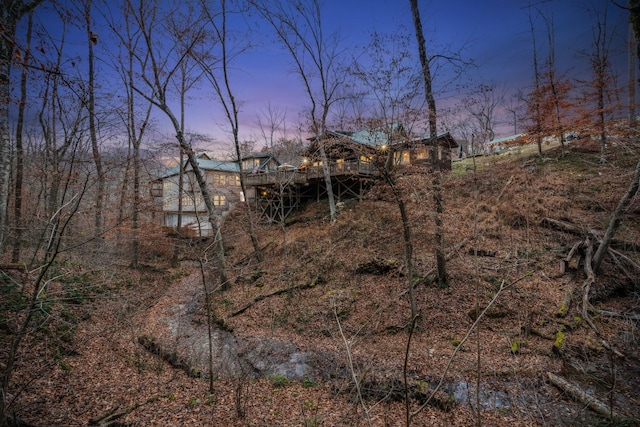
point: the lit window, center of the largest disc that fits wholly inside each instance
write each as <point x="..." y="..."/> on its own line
<point x="219" y="200"/>
<point x="219" y="179"/>
<point x="401" y="157"/>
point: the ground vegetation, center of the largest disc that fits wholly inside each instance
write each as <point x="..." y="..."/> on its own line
<point x="323" y="341"/>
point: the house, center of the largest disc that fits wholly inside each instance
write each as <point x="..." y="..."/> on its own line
<point x="353" y="163"/>
<point x="406" y="149"/>
<point x="185" y="203"/>
<point x="274" y="190"/>
<point x="497" y="145"/>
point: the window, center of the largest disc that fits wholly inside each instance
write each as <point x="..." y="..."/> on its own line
<point x="236" y="180"/>
<point x="219" y="200"/>
<point x="401" y="157"/>
<point x="219" y="180"/>
<point x="187" y="201"/>
<point x="167" y="186"/>
<point x="422" y="153"/>
<point x="156" y="189"/>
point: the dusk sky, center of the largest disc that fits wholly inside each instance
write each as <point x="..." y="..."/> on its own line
<point x="494" y="34"/>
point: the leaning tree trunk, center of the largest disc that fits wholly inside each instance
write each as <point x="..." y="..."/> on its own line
<point x="615" y="220"/>
<point x="214" y="218"/>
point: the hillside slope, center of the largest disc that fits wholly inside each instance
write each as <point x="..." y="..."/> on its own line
<point x="329" y="304"/>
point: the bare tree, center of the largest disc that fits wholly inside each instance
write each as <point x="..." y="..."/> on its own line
<point x="221" y="83"/>
<point x="390" y="79"/>
<point x="534" y="99"/>
<point x="514" y="106"/>
<point x="601" y="89"/>
<point x="299" y="27"/>
<point x="433" y="135"/>
<point x="17" y="207"/>
<point x="558" y="87"/>
<point x="63" y="134"/>
<point x="11" y="12"/>
<point x="92" y="40"/>
<point x="482" y="105"/>
<point x="134" y="123"/>
<point x="628" y="197"/>
<point x="62" y="120"/>
<point x="158" y="64"/>
<point x="271" y="121"/>
<point x="633" y="83"/>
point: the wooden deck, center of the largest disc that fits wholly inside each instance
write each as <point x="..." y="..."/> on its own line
<point x="303" y="177"/>
<point x="279" y="193"/>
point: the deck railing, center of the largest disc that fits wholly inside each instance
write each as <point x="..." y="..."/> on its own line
<point x="354" y="167"/>
<point x="288" y="177"/>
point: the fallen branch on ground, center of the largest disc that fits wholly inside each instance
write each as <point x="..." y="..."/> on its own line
<point x="259" y="298"/>
<point x="110" y="417"/>
<point x="571" y="228"/>
<point x="581" y="396"/>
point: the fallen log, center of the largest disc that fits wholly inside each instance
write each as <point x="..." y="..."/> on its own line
<point x="586" y="399"/>
<point x="565" y="305"/>
<point x="588" y="282"/>
<point x="259" y="298"/>
<point x="109" y="418"/>
<point x="571" y="228"/>
<point x="565" y="226"/>
<point x="616" y="219"/>
<point x="13" y="266"/>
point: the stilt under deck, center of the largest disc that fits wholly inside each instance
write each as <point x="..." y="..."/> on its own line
<point x="278" y="194"/>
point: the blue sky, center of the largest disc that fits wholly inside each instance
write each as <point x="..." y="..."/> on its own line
<point x="494" y="34"/>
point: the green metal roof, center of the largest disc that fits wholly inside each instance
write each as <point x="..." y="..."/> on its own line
<point x="204" y="164"/>
<point x="375" y="138"/>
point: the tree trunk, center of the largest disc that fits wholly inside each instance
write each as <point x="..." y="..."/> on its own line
<point x="586" y="399"/>
<point x="633" y="83"/>
<point x="214" y="218"/>
<point x="231" y="109"/>
<point x="433" y="134"/>
<point x="326" y="172"/>
<point x="17" y="208"/>
<point x="11" y="11"/>
<point x="616" y="218"/>
<point x="91" y="107"/>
